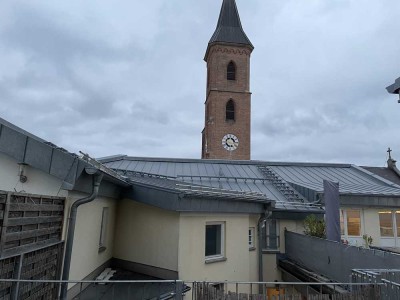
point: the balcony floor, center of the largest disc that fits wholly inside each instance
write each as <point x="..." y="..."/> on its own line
<point x="121" y="291"/>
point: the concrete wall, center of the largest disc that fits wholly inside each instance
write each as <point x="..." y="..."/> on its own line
<point x="239" y="260"/>
<point x="86" y="257"/>
<point x="38" y="182"/>
<point x="147" y="235"/>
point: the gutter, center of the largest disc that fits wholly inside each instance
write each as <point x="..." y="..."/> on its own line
<point x="267" y="215"/>
<point x="97" y="177"/>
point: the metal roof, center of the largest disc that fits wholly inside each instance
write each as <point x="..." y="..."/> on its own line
<point x="229" y="28"/>
<point x="305" y="178"/>
<point x="352" y="179"/>
<point x="385" y="173"/>
<point x="31" y="150"/>
<point x="395" y="87"/>
<point x="220" y="175"/>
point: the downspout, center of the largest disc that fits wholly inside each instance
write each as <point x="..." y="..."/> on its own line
<point x="71" y="230"/>
<point x="267" y="215"/>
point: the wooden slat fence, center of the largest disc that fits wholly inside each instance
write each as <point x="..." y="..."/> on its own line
<point x="28" y="222"/>
<point x="41" y="264"/>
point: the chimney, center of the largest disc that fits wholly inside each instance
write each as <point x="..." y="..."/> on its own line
<point x="391" y="163"/>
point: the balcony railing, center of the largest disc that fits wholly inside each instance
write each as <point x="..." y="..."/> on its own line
<point x="195" y="290"/>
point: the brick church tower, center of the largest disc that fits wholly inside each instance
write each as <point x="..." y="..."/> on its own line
<point x="226" y="133"/>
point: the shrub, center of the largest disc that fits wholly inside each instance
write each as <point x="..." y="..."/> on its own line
<point x="314" y="227"/>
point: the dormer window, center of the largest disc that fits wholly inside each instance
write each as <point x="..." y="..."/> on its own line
<point x="231" y="71"/>
<point x="230" y="110"/>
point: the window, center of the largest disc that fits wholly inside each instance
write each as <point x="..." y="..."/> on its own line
<point x="230" y="110"/>
<point x="386" y="223"/>
<point x="353" y="222"/>
<point x="214" y="240"/>
<point x="398" y="223"/>
<point x="342" y="222"/>
<point x="251" y="237"/>
<point x="231" y="71"/>
<point x="103" y="230"/>
<point x="270" y="235"/>
<point x="350" y="222"/>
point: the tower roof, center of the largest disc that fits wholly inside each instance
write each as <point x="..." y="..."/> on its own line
<point x="229" y="28"/>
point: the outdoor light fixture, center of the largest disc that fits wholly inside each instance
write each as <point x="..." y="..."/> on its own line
<point x="22" y="176"/>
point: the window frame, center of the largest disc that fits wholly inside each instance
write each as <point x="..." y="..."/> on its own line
<point x="231" y="73"/>
<point x="345" y="231"/>
<point x="220" y="256"/>
<point x="251" y="240"/>
<point x="395" y="219"/>
<point x="231" y="112"/>
<point x="267" y="237"/>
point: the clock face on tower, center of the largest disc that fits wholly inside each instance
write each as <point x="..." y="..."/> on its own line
<point x="230" y="142"/>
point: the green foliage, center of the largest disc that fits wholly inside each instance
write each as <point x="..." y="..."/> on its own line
<point x="314" y="227"/>
<point x="368" y="240"/>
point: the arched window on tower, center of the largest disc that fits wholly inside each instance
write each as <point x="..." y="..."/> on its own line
<point x="230" y="110"/>
<point x="231" y="71"/>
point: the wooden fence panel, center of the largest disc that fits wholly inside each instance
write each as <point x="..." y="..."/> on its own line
<point x="29" y="221"/>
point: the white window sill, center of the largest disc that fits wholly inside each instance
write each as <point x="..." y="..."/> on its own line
<point x="214" y="259"/>
<point x="271" y="251"/>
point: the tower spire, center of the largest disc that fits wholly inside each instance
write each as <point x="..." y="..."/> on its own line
<point x="229" y="28"/>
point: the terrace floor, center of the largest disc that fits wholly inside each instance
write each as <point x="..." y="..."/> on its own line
<point x="121" y="291"/>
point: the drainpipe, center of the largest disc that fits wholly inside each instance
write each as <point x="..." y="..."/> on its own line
<point x="262" y="219"/>
<point x="71" y="228"/>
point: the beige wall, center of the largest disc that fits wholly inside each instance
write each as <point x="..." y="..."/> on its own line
<point x="239" y="259"/>
<point x="270" y="268"/>
<point x="38" y="182"/>
<point x="86" y="257"/>
<point x="147" y="235"/>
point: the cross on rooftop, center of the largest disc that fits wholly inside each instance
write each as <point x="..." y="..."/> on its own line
<point x="389" y="151"/>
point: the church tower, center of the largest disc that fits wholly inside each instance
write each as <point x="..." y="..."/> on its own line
<point x="226" y="133"/>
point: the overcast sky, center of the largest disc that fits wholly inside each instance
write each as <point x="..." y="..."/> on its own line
<point x="128" y="77"/>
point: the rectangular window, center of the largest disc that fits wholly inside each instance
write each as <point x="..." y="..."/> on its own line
<point x="103" y="230"/>
<point x="214" y="240"/>
<point x="386" y="223"/>
<point x="342" y="222"/>
<point x="398" y="223"/>
<point x="353" y="222"/>
<point x="251" y="237"/>
<point x="271" y="234"/>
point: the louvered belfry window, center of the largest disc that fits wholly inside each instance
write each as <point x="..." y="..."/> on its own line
<point x="231" y="71"/>
<point x="230" y="110"/>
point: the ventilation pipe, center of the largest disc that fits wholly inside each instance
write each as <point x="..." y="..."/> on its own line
<point x="97" y="177"/>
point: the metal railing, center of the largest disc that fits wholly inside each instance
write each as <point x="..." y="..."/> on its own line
<point x="197" y="290"/>
<point x="389" y="280"/>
